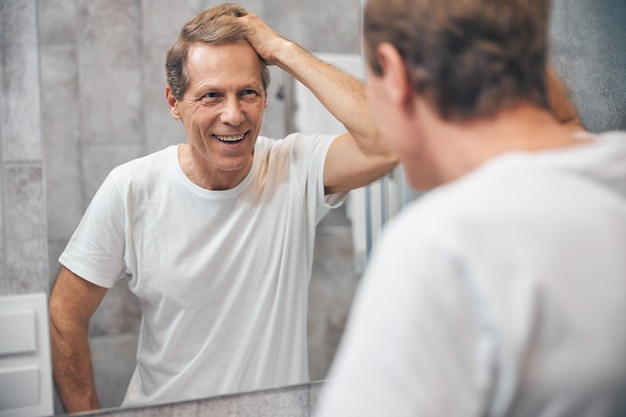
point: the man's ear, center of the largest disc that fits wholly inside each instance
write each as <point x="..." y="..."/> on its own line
<point x="394" y="76"/>
<point x="172" y="102"/>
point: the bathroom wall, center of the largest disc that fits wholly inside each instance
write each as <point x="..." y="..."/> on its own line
<point x="81" y="90"/>
<point x="589" y="49"/>
<point x="23" y="227"/>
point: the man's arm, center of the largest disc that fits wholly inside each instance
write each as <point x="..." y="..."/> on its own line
<point x="72" y="303"/>
<point x="356" y="158"/>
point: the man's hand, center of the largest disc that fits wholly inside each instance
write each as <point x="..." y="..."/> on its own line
<point x="263" y="39"/>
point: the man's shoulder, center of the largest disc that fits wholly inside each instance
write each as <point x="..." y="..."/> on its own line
<point x="145" y="167"/>
<point x="295" y="144"/>
<point x="482" y="198"/>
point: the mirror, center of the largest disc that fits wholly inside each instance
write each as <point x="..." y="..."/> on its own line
<point x="103" y="103"/>
<point x="101" y="78"/>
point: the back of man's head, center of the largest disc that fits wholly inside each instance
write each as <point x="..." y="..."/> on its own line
<point x="470" y="58"/>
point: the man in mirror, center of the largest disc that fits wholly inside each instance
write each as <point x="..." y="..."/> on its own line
<point x="216" y="235"/>
<point x="501" y="292"/>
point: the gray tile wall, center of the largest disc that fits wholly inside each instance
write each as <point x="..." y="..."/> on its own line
<point x="589" y="50"/>
<point x="23" y="228"/>
<point x="85" y="78"/>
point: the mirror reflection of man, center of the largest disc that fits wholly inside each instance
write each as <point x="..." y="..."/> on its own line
<point x="502" y="292"/>
<point x="216" y="234"/>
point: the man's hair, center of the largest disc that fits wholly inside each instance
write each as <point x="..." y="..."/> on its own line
<point x="217" y="25"/>
<point x="468" y="58"/>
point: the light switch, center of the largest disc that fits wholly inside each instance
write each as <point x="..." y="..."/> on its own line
<point x="26" y="388"/>
<point x="19" y="388"/>
<point x="18" y="332"/>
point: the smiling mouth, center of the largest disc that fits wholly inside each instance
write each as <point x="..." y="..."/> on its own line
<point x="229" y="139"/>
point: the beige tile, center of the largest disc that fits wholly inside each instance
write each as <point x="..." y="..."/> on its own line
<point x="320" y="26"/>
<point x="60" y="120"/>
<point x="114" y="362"/>
<point x="99" y="159"/>
<point x="333" y="283"/>
<point x="110" y="71"/>
<point x="25" y="238"/>
<point x="18" y="23"/>
<point x="119" y="312"/>
<point x="20" y="105"/>
<point x="56" y="22"/>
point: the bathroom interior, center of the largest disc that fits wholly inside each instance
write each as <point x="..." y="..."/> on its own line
<point x="82" y="90"/>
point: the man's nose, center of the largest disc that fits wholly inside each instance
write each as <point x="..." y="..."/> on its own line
<point x="232" y="112"/>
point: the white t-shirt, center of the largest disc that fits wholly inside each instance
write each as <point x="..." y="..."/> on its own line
<point x="222" y="276"/>
<point x="500" y="294"/>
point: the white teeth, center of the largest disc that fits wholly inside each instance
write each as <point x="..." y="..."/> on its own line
<point x="229" y="138"/>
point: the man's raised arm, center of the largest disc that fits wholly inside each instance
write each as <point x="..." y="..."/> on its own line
<point x="356" y="158"/>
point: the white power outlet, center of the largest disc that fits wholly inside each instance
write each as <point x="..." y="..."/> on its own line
<point x="25" y="364"/>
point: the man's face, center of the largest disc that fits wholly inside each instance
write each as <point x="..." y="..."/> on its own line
<point x="222" y="109"/>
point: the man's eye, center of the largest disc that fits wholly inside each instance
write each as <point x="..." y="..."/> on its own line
<point x="249" y="92"/>
<point x="210" y="97"/>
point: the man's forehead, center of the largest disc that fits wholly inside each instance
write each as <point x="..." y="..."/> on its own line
<point x="220" y="48"/>
<point x="223" y="70"/>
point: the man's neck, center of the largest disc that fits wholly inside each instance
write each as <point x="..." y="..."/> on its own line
<point x="208" y="177"/>
<point x="461" y="147"/>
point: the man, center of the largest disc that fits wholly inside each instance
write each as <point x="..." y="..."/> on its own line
<point x="216" y="234"/>
<point x="502" y="291"/>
